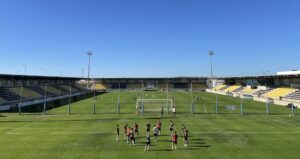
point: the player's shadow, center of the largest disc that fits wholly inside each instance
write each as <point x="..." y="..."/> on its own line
<point x="192" y="140"/>
<point x="165" y="140"/>
<point x="164" y="135"/>
<point x="160" y="150"/>
<point x="152" y="118"/>
<point x="196" y="143"/>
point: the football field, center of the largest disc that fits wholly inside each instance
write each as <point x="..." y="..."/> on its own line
<point x="83" y="134"/>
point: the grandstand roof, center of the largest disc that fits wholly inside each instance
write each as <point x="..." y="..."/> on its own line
<point x="11" y="76"/>
<point x="267" y="76"/>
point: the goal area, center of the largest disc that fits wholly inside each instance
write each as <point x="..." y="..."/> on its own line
<point x="154" y="106"/>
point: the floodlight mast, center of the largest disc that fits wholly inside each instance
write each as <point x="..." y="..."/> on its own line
<point x="211" y="53"/>
<point x="89" y="53"/>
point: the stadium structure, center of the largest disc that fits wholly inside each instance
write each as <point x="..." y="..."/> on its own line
<point x="18" y="91"/>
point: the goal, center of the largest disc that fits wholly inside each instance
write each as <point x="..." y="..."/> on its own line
<point x="154" y="106"/>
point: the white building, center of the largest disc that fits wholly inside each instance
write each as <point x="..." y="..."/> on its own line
<point x="292" y="72"/>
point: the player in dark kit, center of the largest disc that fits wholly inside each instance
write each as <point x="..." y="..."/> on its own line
<point x="118" y="133"/>
<point x="131" y="136"/>
<point x="171" y="127"/>
<point x="136" y="129"/>
<point x="185" y="136"/>
<point x="148" y="125"/>
<point x="125" y="131"/>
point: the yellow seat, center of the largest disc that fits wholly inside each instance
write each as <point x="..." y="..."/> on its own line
<point x="219" y="87"/>
<point x="232" y="88"/>
<point x="279" y="92"/>
<point x="27" y="93"/>
<point x="248" y="90"/>
<point x="99" y="86"/>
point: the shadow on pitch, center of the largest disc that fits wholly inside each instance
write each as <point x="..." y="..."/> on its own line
<point x="157" y="150"/>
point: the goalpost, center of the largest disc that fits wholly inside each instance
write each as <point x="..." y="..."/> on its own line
<point x="154" y="106"/>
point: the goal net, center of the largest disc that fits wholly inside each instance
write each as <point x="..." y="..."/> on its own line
<point x="155" y="106"/>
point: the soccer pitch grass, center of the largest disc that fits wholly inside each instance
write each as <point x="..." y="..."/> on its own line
<point x="217" y="136"/>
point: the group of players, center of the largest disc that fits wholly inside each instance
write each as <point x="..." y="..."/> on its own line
<point x="130" y="134"/>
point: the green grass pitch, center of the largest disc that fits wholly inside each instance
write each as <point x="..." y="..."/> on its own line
<point x="216" y="136"/>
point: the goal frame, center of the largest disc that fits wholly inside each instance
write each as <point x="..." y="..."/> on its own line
<point x="140" y="104"/>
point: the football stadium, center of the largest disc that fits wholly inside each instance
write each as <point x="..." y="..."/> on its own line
<point x="149" y="79"/>
<point x="63" y="117"/>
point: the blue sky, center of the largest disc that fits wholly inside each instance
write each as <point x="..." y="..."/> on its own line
<point x="149" y="38"/>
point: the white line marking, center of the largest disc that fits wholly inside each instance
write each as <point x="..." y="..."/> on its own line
<point x="58" y="133"/>
<point x="249" y="132"/>
<point x="284" y="123"/>
<point x="98" y="132"/>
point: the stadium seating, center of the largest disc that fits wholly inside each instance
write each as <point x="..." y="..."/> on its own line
<point x="219" y="87"/>
<point x="232" y="88"/>
<point x="12" y="95"/>
<point x="41" y="90"/>
<point x="279" y="92"/>
<point x="62" y="89"/>
<point x="248" y="90"/>
<point x="2" y="100"/>
<point x="8" y="96"/>
<point x="199" y="86"/>
<point x="27" y="93"/>
<point x="99" y="87"/>
<point x="54" y="91"/>
<point x="262" y="92"/>
<point x="295" y="95"/>
<point x="238" y="90"/>
<point x="80" y="88"/>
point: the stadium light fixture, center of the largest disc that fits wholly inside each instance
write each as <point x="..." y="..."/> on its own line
<point x="211" y="53"/>
<point x="89" y="53"/>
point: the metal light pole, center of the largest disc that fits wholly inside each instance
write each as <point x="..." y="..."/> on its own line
<point x="21" y="91"/>
<point x="20" y="103"/>
<point x="69" y="106"/>
<point x="211" y="53"/>
<point x="293" y="112"/>
<point x="89" y="53"/>
<point x="45" y="97"/>
<point x="267" y="106"/>
<point x="242" y="110"/>
<point x="94" y="106"/>
<point x="217" y="105"/>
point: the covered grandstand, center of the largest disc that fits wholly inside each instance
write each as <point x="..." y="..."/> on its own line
<point x="28" y="90"/>
<point x="16" y="89"/>
<point x="280" y="89"/>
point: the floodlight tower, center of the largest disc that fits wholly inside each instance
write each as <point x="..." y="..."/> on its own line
<point x="211" y="53"/>
<point x="89" y="53"/>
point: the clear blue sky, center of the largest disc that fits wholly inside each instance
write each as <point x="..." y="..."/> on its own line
<point x="149" y="37"/>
